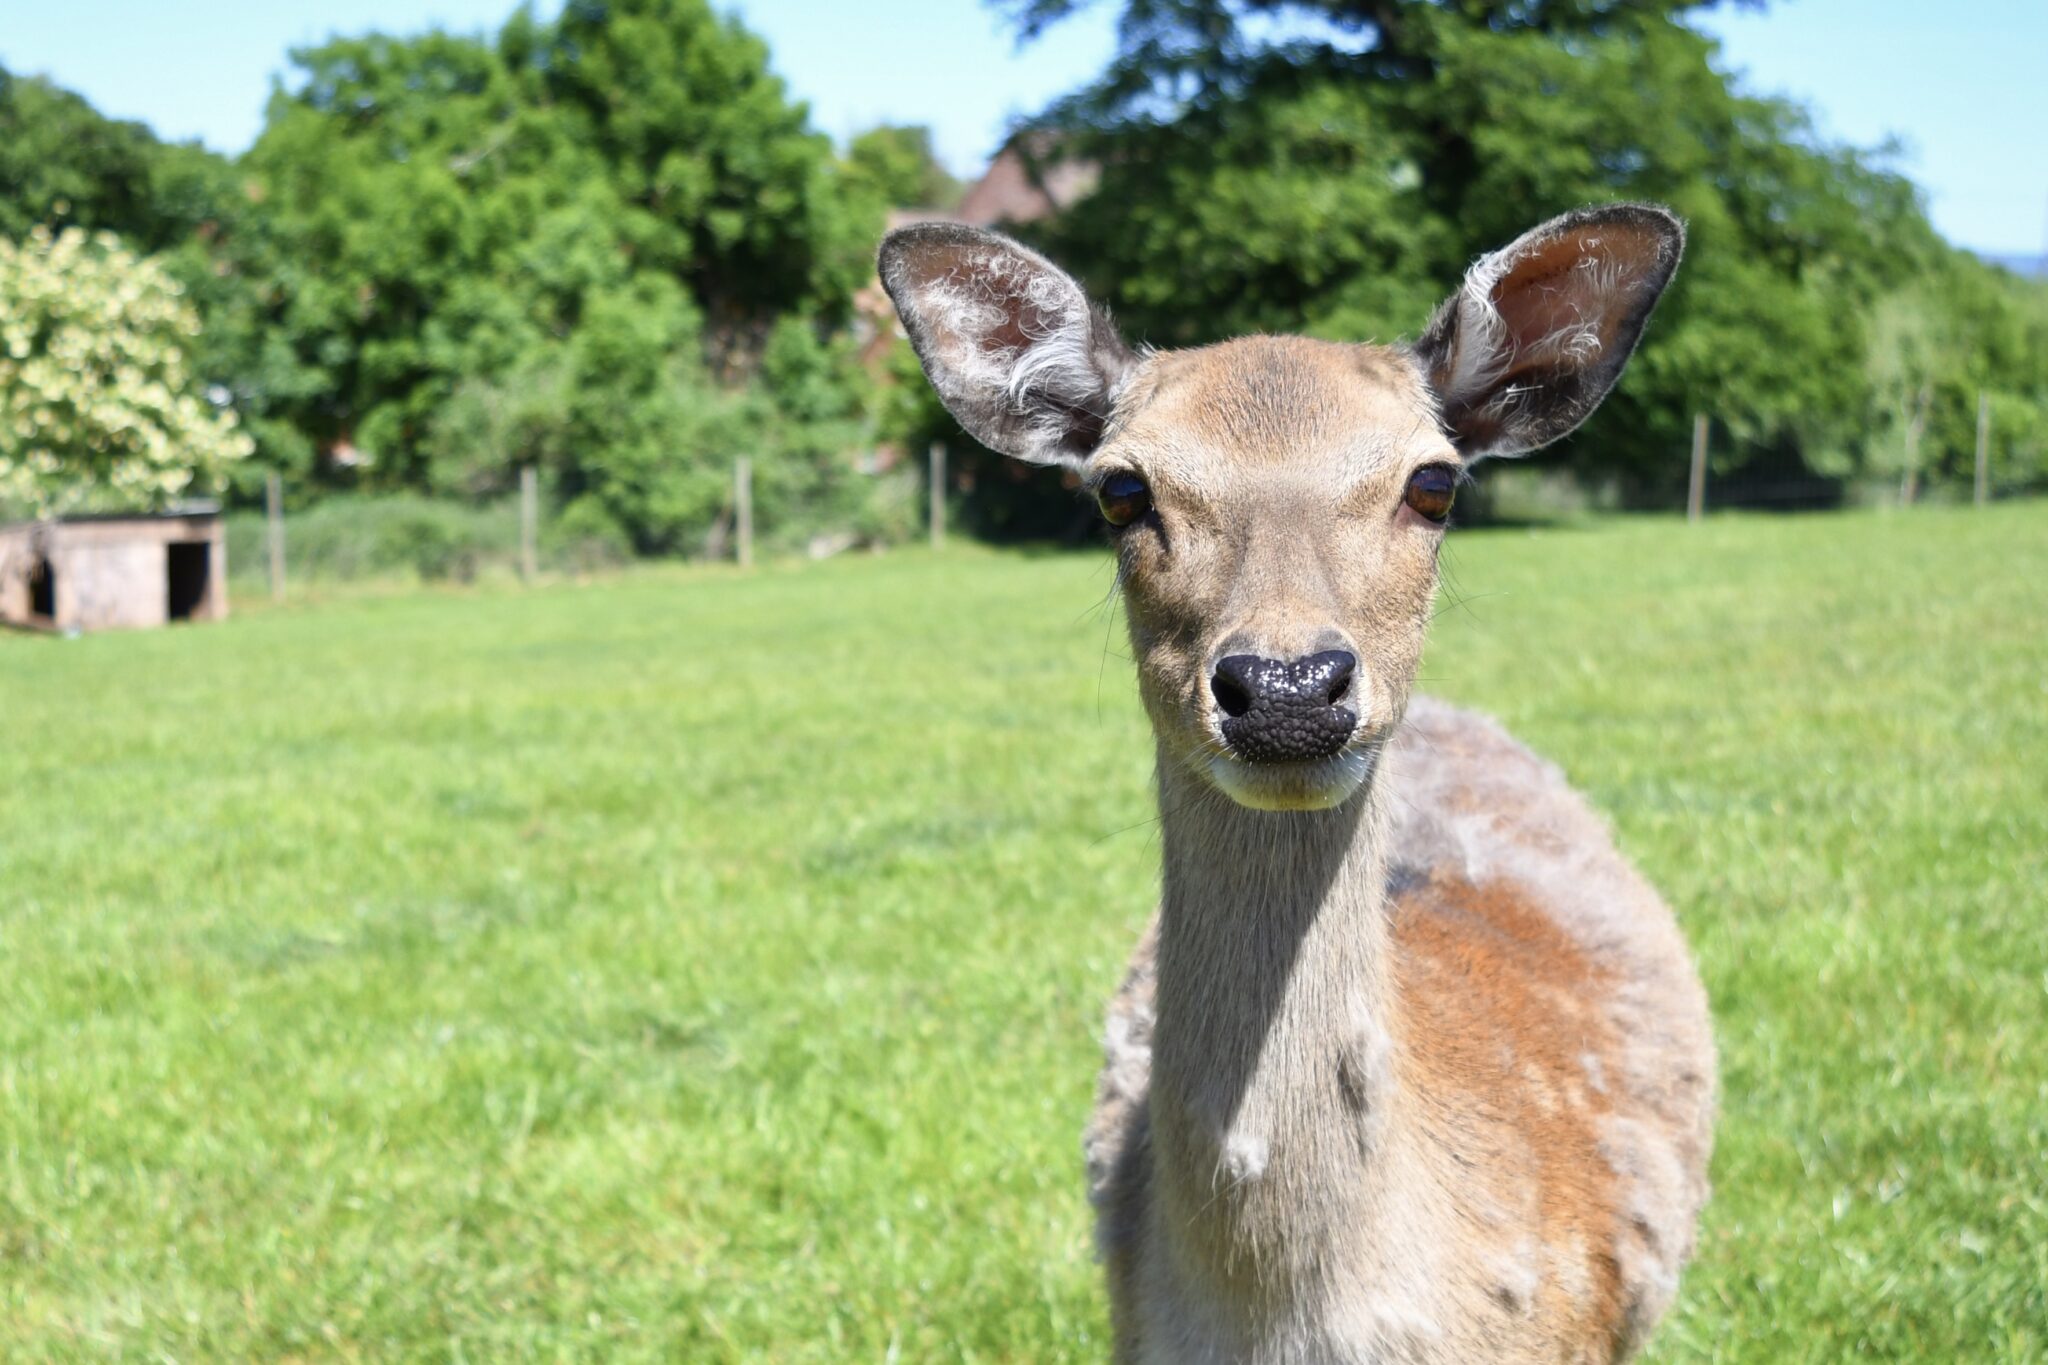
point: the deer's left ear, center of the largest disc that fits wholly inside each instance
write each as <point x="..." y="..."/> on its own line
<point x="1540" y="330"/>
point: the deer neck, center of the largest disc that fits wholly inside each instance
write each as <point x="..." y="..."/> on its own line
<point x="1273" y="1099"/>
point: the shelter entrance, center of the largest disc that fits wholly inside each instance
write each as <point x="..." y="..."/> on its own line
<point x="190" y="565"/>
<point x="42" y="589"/>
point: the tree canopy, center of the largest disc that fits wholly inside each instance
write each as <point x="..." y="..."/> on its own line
<point x="612" y="246"/>
<point x="558" y="247"/>
<point x="1333" y="166"/>
<point x="64" y="163"/>
<point x="897" y="164"/>
<point x="609" y="244"/>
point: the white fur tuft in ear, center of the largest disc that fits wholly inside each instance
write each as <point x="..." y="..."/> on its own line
<point x="1540" y="331"/>
<point x="1056" y="362"/>
<point x="1484" y="349"/>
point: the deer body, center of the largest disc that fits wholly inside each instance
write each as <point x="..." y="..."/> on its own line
<point x="1411" y="1066"/>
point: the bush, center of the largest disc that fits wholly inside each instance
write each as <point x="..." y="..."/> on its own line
<point x="433" y="540"/>
<point x="400" y="536"/>
<point x="586" y="538"/>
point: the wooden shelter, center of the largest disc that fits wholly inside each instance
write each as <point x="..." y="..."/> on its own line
<point x="114" y="572"/>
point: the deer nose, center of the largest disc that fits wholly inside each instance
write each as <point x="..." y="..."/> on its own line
<point x="1280" y="712"/>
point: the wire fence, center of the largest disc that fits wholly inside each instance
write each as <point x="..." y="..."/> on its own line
<point x="1708" y="477"/>
<point x="356" y="537"/>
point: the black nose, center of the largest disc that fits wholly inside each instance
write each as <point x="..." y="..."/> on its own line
<point x="1276" y="712"/>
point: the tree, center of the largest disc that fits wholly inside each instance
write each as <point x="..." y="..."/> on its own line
<point x="725" y="183"/>
<point x="608" y="244"/>
<point x="897" y="165"/>
<point x="1334" y="165"/>
<point x="570" y="246"/>
<point x="62" y="163"/>
<point x="1910" y="352"/>
<point x="1934" y="346"/>
<point x="98" y="405"/>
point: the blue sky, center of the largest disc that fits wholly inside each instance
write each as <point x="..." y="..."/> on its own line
<point x="1964" y="85"/>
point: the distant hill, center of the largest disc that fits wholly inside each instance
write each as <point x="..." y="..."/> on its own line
<point x="2034" y="266"/>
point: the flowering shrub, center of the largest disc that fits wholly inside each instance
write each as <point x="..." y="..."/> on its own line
<point x="98" y="408"/>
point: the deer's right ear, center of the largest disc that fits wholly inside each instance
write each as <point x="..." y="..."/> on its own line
<point x="1541" y="329"/>
<point x="1007" y="339"/>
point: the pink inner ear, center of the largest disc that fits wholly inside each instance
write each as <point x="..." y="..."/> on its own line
<point x="1024" y="322"/>
<point x="1002" y="287"/>
<point x="1573" y="292"/>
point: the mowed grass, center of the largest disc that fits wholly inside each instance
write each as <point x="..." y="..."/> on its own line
<point x="697" y="967"/>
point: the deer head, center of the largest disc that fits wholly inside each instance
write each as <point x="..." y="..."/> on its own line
<point x="1278" y="503"/>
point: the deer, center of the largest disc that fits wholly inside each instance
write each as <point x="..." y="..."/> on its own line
<point x="1411" y="1064"/>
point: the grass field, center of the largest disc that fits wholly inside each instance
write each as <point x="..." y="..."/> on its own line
<point x="697" y="967"/>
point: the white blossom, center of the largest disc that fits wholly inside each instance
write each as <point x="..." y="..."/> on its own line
<point x="98" y="405"/>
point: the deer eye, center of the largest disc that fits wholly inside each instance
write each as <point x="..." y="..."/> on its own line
<point x="1123" y="498"/>
<point x="1431" y="490"/>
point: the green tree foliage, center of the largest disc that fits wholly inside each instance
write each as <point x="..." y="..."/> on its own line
<point x="62" y="163"/>
<point x="1333" y="165"/>
<point x="98" y="405"/>
<point x="725" y="182"/>
<point x="1930" y="353"/>
<point x="898" y="166"/>
<point x="609" y="244"/>
<point x="571" y="245"/>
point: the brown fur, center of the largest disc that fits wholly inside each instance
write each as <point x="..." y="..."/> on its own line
<point x="1507" y="1000"/>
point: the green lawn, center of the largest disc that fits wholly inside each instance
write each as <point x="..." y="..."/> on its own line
<point x="700" y="967"/>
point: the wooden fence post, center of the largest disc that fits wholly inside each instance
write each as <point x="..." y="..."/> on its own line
<point x="529" y="523"/>
<point x="743" y="508"/>
<point x="938" y="495"/>
<point x="273" y="506"/>
<point x="1696" y="486"/>
<point x="1983" y="494"/>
